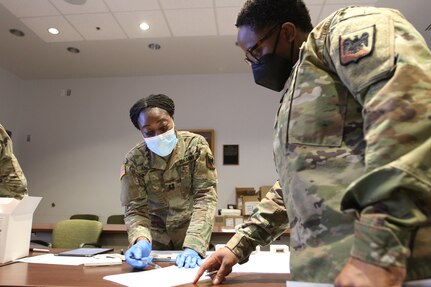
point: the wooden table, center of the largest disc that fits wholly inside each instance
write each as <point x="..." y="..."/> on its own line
<point x="31" y="274"/>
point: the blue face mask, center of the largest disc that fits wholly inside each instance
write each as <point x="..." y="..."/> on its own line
<point x="163" y="144"/>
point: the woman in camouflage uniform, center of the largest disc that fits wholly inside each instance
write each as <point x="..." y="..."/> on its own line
<point x="168" y="187"/>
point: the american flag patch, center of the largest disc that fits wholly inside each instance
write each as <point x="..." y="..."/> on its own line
<point x="122" y="171"/>
<point x="357" y="45"/>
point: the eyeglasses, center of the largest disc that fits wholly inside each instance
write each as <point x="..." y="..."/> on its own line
<point x="250" y="58"/>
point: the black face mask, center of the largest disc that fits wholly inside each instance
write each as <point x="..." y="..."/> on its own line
<point x="272" y="71"/>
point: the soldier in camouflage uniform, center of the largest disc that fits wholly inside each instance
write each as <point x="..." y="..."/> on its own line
<point x="352" y="144"/>
<point x="169" y="193"/>
<point x="12" y="180"/>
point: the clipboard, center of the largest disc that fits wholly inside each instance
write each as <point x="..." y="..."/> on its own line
<point x="84" y="252"/>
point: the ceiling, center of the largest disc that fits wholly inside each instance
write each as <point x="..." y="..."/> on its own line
<point x="195" y="36"/>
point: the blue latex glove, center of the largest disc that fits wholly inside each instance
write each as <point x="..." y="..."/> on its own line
<point x="138" y="255"/>
<point x="188" y="259"/>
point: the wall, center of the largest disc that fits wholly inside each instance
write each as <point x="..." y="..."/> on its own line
<point x="78" y="143"/>
<point x="10" y="108"/>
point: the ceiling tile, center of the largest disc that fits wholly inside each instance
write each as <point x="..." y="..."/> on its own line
<point x="86" y="25"/>
<point x="40" y="25"/>
<point x="184" y="4"/>
<point x="226" y="19"/>
<point x="132" y="5"/>
<point x="130" y="21"/>
<point x="230" y="3"/>
<point x="192" y="22"/>
<point x="30" y="8"/>
<point x="93" y="6"/>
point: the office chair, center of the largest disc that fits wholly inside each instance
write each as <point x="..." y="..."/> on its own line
<point x="85" y="216"/>
<point x="74" y="233"/>
<point x="115" y="219"/>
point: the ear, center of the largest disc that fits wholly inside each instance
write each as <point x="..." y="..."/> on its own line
<point x="288" y="29"/>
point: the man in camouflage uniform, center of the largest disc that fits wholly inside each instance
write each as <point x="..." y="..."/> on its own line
<point x="170" y="200"/>
<point x="352" y="145"/>
<point x="12" y="180"/>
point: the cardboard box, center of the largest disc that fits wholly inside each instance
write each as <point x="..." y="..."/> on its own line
<point x="228" y="221"/>
<point x="263" y="190"/>
<point x="219" y="220"/>
<point x="249" y="202"/>
<point x="243" y="191"/>
<point x="16" y="218"/>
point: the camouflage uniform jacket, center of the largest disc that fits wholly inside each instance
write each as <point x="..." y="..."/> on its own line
<point x="12" y="180"/>
<point x="172" y="201"/>
<point x="352" y="148"/>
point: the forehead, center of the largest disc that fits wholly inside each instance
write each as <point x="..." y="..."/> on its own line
<point x="247" y="37"/>
<point x="152" y="116"/>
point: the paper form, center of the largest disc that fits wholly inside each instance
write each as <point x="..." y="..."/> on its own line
<point x="260" y="262"/>
<point x="418" y="283"/>
<point x="265" y="262"/>
<point x="165" y="277"/>
<point x="97" y="260"/>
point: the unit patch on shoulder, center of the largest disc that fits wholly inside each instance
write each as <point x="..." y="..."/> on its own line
<point x="357" y="45"/>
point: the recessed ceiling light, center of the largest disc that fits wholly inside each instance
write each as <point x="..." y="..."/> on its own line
<point x="17" y="32"/>
<point x="76" y="2"/>
<point x="144" y="26"/>
<point x="53" y="31"/>
<point x="73" y="50"/>
<point x="154" y="46"/>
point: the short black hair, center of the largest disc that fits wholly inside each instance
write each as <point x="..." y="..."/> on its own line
<point x="152" y="101"/>
<point x="259" y="14"/>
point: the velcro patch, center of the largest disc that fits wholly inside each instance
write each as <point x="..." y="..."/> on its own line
<point x="357" y="45"/>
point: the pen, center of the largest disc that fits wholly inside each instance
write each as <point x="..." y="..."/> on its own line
<point x="163" y="259"/>
<point x="40" y="250"/>
<point x="154" y="265"/>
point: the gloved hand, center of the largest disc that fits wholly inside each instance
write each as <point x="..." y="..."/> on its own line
<point x="188" y="259"/>
<point x="138" y="255"/>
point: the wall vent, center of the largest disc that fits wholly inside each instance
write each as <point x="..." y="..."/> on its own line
<point x="428" y="28"/>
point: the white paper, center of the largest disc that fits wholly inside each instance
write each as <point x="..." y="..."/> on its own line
<point x="306" y="284"/>
<point x="165" y="277"/>
<point x="265" y="262"/>
<point x="418" y="283"/>
<point x="172" y="275"/>
<point x="98" y="260"/>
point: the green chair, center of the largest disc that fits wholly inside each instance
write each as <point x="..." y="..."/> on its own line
<point x="74" y="233"/>
<point x="116" y="219"/>
<point x="85" y="216"/>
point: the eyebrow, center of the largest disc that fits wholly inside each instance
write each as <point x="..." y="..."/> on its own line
<point x="162" y="119"/>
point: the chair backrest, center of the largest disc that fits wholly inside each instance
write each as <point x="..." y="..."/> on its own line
<point x="70" y="233"/>
<point x="116" y="219"/>
<point x="85" y="216"/>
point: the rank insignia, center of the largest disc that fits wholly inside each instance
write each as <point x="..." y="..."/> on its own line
<point x="356" y="45"/>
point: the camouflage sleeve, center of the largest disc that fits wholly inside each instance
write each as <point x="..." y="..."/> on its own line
<point x="268" y="221"/>
<point x="393" y="196"/>
<point x="12" y="180"/>
<point x="134" y="199"/>
<point x="205" y="201"/>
